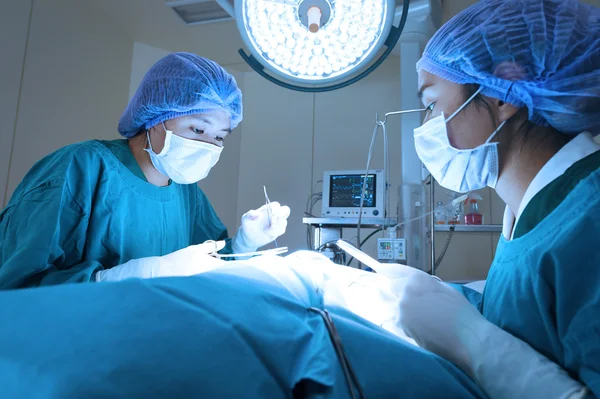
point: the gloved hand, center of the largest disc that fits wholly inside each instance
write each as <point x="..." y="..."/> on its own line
<point x="440" y="319"/>
<point x="185" y="262"/>
<point x="256" y="231"/>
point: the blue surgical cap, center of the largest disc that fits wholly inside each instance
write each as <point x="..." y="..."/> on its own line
<point x="177" y="85"/>
<point x="539" y="54"/>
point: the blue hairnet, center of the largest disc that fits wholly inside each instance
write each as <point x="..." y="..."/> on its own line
<point x="539" y="54"/>
<point x="177" y="85"/>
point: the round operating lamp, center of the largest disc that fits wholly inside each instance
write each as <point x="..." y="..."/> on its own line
<point x="317" y="45"/>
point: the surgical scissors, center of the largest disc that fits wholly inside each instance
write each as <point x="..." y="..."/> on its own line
<point x="269" y="212"/>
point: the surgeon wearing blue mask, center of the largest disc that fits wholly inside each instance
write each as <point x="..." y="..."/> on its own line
<point x="111" y="210"/>
<point x="512" y="96"/>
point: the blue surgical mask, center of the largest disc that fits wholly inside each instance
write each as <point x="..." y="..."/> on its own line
<point x="182" y="160"/>
<point x="457" y="170"/>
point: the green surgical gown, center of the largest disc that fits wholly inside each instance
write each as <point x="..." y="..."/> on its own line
<point x="88" y="207"/>
<point x="544" y="285"/>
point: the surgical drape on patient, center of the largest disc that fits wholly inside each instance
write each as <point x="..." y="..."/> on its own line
<point x="231" y="333"/>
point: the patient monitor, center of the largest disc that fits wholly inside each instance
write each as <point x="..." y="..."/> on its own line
<point x="342" y="192"/>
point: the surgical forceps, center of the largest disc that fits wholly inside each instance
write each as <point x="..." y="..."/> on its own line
<point x="269" y="212"/>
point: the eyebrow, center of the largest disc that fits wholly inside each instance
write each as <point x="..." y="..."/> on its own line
<point x="209" y="122"/>
<point x="422" y="89"/>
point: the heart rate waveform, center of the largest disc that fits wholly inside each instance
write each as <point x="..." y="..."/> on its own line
<point x="346" y="191"/>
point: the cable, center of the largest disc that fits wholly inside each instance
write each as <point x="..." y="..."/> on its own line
<point x="308" y="211"/>
<point x="387" y="177"/>
<point x="447" y="243"/>
<point x="17" y="108"/>
<point x="315" y="200"/>
<point x="339" y="256"/>
<point x="369" y="236"/>
<point x="319" y="195"/>
<point x="364" y="187"/>
<point x="325" y="245"/>
<point x="412" y="220"/>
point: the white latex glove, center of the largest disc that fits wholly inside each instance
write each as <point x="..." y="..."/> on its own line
<point x="256" y="231"/>
<point x="185" y="262"/>
<point x="441" y="320"/>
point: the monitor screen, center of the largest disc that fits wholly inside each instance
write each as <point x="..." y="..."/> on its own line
<point x="345" y="191"/>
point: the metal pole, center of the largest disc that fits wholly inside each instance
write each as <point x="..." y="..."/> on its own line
<point x="432" y="222"/>
<point x="227" y="7"/>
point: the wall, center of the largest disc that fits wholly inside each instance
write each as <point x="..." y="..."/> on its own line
<point x="452" y="7"/>
<point x="276" y="151"/>
<point x="152" y="22"/>
<point x="74" y="81"/>
<point x="144" y="56"/>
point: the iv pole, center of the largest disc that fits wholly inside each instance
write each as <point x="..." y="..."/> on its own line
<point x="432" y="222"/>
<point x="431" y="184"/>
<point x="384" y="121"/>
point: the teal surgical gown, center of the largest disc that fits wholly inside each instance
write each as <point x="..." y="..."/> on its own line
<point x="544" y="285"/>
<point x="88" y="207"/>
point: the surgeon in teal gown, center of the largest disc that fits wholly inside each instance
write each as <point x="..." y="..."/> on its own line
<point x="512" y="91"/>
<point x="110" y="210"/>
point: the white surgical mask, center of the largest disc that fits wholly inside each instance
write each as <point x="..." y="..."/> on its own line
<point x="457" y="170"/>
<point x="182" y="160"/>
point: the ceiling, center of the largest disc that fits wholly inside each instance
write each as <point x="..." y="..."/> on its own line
<point x="153" y="23"/>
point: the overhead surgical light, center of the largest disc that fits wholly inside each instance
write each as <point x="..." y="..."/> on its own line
<point x="317" y="45"/>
